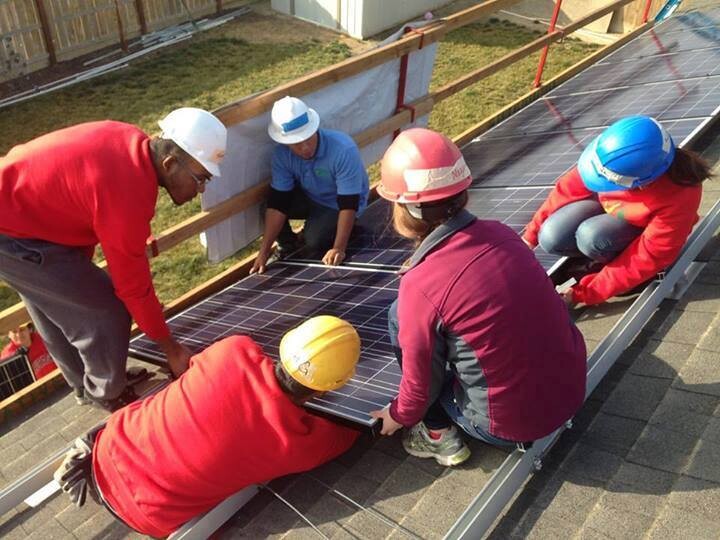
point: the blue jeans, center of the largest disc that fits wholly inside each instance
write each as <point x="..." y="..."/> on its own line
<point x="443" y="410"/>
<point x="583" y="228"/>
<point x="320" y="224"/>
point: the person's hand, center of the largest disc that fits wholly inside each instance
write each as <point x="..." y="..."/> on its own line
<point x="177" y="355"/>
<point x="568" y="298"/>
<point x="334" y="257"/>
<point x="389" y="425"/>
<point x="260" y="263"/>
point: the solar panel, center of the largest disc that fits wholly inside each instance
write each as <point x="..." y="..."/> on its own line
<point x="666" y="67"/>
<point x="265" y="307"/>
<point x="538" y="160"/>
<point x="663" y="101"/>
<point x="691" y="20"/>
<point x="15" y="374"/>
<point x="657" y="42"/>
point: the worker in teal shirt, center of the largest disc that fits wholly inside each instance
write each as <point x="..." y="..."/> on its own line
<point x="318" y="176"/>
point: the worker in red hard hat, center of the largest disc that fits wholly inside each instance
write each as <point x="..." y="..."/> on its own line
<point x="484" y="341"/>
<point x="624" y="211"/>
<point x="233" y="419"/>
<point x="63" y="193"/>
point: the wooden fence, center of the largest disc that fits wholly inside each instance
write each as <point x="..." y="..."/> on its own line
<point x="38" y="33"/>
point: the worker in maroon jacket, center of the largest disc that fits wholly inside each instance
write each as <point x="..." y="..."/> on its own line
<point x="63" y="193"/>
<point x="628" y="206"/>
<point x="232" y="420"/>
<point x="484" y="341"/>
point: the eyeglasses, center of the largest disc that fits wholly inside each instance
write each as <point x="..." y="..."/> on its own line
<point x="199" y="180"/>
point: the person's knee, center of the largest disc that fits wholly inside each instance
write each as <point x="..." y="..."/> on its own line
<point x="591" y="242"/>
<point x="552" y="238"/>
<point x="318" y="239"/>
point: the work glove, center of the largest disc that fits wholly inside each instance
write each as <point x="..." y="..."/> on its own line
<point x="75" y="473"/>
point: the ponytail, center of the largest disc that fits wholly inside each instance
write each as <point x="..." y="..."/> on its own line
<point x="688" y="168"/>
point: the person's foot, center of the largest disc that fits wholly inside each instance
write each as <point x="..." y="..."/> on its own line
<point x="125" y="398"/>
<point x="448" y="450"/>
<point x="136" y="374"/>
<point x="80" y="397"/>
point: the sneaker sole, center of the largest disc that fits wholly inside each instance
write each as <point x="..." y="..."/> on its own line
<point x="457" y="458"/>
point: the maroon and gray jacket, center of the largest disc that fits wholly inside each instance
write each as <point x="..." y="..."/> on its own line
<point x="476" y="294"/>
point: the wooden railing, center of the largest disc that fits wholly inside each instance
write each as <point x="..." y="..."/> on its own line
<point x="258" y="104"/>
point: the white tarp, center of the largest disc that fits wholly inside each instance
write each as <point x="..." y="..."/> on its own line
<point x="351" y="105"/>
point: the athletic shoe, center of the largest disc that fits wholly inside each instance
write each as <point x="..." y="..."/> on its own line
<point x="80" y="397"/>
<point x="448" y="450"/>
<point x="128" y="396"/>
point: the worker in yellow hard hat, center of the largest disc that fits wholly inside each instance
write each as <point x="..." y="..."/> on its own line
<point x="231" y="420"/>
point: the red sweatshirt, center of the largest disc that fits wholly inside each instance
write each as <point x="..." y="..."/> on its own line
<point x="666" y="211"/>
<point x="223" y="425"/>
<point x="88" y="184"/>
<point x="40" y="359"/>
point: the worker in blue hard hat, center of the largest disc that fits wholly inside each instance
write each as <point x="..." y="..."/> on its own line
<point x="628" y="206"/>
<point x="317" y="175"/>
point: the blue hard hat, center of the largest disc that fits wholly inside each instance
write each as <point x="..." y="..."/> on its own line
<point x="630" y="153"/>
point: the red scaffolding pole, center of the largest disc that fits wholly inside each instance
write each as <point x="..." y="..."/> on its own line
<point x="646" y="15"/>
<point x="543" y="55"/>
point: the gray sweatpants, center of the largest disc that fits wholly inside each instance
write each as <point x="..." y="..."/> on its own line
<point x="74" y="307"/>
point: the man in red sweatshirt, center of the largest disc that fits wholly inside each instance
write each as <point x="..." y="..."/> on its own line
<point x="97" y="183"/>
<point x="232" y="420"/>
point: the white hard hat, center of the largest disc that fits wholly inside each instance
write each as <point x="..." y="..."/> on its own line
<point x="291" y="121"/>
<point x="200" y="133"/>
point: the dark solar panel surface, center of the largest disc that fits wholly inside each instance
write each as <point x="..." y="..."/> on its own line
<point x="667" y="67"/>
<point x="658" y="42"/>
<point x="695" y="19"/>
<point x="265" y="307"/>
<point x="15" y="374"/>
<point x="663" y="101"/>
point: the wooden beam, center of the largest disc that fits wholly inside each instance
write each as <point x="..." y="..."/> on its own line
<point x="140" y="10"/>
<point x="256" y="105"/>
<point x="46" y="30"/>
<point x="207" y="218"/>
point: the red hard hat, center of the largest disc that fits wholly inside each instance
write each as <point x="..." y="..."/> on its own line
<point x="421" y="166"/>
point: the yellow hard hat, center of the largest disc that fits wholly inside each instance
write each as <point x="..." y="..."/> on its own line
<point x="321" y="353"/>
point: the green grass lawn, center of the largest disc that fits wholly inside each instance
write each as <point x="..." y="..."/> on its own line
<point x="218" y="68"/>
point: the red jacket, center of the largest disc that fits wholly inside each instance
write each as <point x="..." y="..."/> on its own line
<point x="40" y="360"/>
<point x="666" y="211"/>
<point x="223" y="425"/>
<point x="475" y="292"/>
<point x="89" y="184"/>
